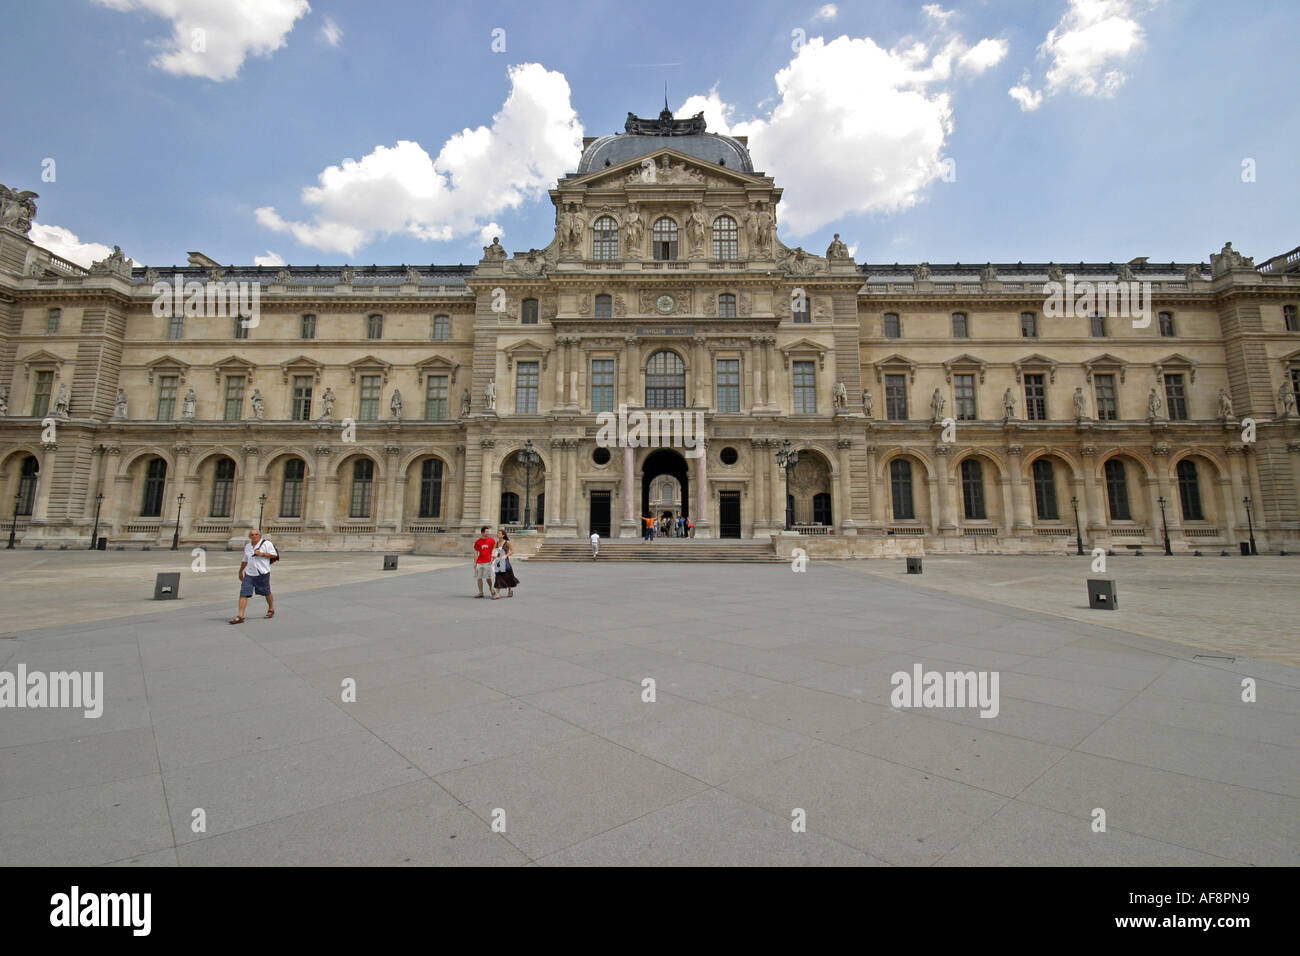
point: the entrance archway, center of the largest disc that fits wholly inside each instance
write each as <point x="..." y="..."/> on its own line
<point x="665" y="461"/>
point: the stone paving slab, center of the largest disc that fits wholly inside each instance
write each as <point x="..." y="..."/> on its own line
<point x="773" y="694"/>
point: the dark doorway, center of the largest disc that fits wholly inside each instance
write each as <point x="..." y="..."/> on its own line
<point x="662" y="461"/>
<point x="600" y="513"/>
<point x="729" y="514"/>
<point x="821" y="508"/>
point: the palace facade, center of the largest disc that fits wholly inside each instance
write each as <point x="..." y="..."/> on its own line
<point x="401" y="407"/>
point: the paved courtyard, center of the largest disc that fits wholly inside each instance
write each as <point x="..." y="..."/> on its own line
<point x="772" y="705"/>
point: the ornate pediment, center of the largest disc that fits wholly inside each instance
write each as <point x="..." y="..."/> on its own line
<point x="1036" y="361"/>
<point x="1106" y="363"/>
<point x="805" y="347"/>
<point x="233" y="365"/>
<point x="893" y="363"/>
<point x="1176" y="363"/>
<point x="302" y="365"/>
<point x="665" y="167"/>
<point x="964" y="362"/>
<point x="525" y="350"/>
<point x="436" y="365"/>
<point x="43" y="361"/>
<point x="167" y="363"/>
<point x="368" y="363"/>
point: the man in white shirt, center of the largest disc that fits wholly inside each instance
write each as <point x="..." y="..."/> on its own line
<point x="595" y="545"/>
<point x="255" y="573"/>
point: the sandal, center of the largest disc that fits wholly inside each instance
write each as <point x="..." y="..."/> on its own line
<point x="236" y="620"/>
<point x="269" y="614"/>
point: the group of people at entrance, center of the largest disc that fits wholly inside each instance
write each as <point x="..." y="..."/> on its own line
<point x="667" y="526"/>
<point x="492" y="563"/>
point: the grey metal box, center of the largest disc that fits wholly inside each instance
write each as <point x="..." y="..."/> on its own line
<point x="168" y="586"/>
<point x="390" y="562"/>
<point x="1101" y="594"/>
<point x="913" y="565"/>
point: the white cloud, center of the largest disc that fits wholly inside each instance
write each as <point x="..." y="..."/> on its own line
<point x="270" y="259"/>
<point x="331" y="32"/>
<point x="212" y="38"/>
<point x="535" y="139"/>
<point x="64" y="242"/>
<point x="1087" y="48"/>
<point x="937" y="13"/>
<point x="856" y="128"/>
<point x="489" y="232"/>
<point x="827" y="12"/>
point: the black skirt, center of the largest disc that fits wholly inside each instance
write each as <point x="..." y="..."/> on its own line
<point x="506" y="579"/>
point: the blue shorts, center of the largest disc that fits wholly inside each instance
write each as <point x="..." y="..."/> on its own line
<point x="255" y="584"/>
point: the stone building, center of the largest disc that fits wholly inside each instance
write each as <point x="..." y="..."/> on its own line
<point x="966" y="406"/>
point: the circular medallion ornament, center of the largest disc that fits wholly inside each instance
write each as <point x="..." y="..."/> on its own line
<point x="665" y="304"/>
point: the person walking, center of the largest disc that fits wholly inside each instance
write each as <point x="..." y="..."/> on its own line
<point x="505" y="570"/>
<point x="255" y="574"/>
<point x="595" y="545"/>
<point x="483" y="549"/>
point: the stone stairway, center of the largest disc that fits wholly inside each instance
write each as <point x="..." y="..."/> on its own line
<point x="667" y="550"/>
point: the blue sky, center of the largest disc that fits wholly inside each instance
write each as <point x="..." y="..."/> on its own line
<point x="1143" y="112"/>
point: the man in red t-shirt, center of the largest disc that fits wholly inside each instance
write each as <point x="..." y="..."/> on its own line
<point x="483" y="565"/>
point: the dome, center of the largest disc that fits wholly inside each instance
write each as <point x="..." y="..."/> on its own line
<point x="642" y="137"/>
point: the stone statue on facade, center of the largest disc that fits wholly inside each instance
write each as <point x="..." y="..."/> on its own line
<point x="1154" y="404"/>
<point x="867" y="403"/>
<point x="837" y="249"/>
<point x="633" y="230"/>
<point x="1286" y="399"/>
<point x="346" y="275"/>
<point x="695" y="230"/>
<point x="120" y="409"/>
<point x="1225" y="405"/>
<point x="839" y="395"/>
<point x="396" y="404"/>
<point x="490" y="393"/>
<point x="1008" y="404"/>
<point x="327" y="404"/>
<point x="1080" y="405"/>
<point x="115" y="263"/>
<point x="1124" y="273"/>
<point x="17" y="208"/>
<point x="259" y="405"/>
<point x="989" y="273"/>
<point x="495" y="252"/>
<point x="188" y="406"/>
<point x="464" y="403"/>
<point x="921" y="273"/>
<point x="282" y="277"/>
<point x="62" y="402"/>
<point x="412" y="276"/>
<point x="766" y="225"/>
<point x="1227" y="259"/>
<point x="936" y="405"/>
<point x="1192" y="274"/>
<point x="4" y="401"/>
<point x="1055" y="273"/>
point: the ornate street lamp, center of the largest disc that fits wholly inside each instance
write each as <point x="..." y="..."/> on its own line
<point x="787" y="458"/>
<point x="261" y="509"/>
<point x="13" y="526"/>
<point x="176" y="535"/>
<point x="94" y="534"/>
<point x="1250" y="523"/>
<point x="1078" y="532"/>
<point x="529" y="457"/>
<point x="1164" y="523"/>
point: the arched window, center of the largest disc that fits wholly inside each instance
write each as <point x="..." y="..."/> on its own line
<point x="822" y="508"/>
<point x="1189" y="491"/>
<point x="726" y="306"/>
<point x="27" y="484"/>
<point x="509" y="507"/>
<point x="223" y="487"/>
<point x="1117" y="491"/>
<point x="291" y="490"/>
<point x="972" y="489"/>
<point x="431" y="488"/>
<point x="604" y="306"/>
<point x="665" y="381"/>
<point x="900" y="485"/>
<point x="663" y="239"/>
<point x="155" y="479"/>
<point x="363" y="479"/>
<point x="725" y="238"/>
<point x="604" y="234"/>
<point x="1045" y="491"/>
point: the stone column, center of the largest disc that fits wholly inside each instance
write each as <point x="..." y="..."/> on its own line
<point x="701" y="398"/>
<point x="757" y="356"/>
<point x="947" y="504"/>
<point x="1024" y="522"/>
<point x="776" y="483"/>
<point x="571" y="450"/>
<point x="629" y="489"/>
<point x="762" y="497"/>
<point x="1094" y="515"/>
<point x="487" y="483"/>
<point x="190" y="484"/>
<point x="1008" y="506"/>
<point x="108" y="519"/>
<point x="456" y="502"/>
<point x="631" y="371"/>
<point x="1236" y="468"/>
<point x="770" y="358"/>
<point x="324" y="491"/>
<point x="561" y="385"/>
<point x="877" y="501"/>
<point x="395" y="504"/>
<point x="702" y="493"/>
<point x="44" y="481"/>
<point x="1170" y="521"/>
<point x="244" y="510"/>
<point x="844" y="500"/>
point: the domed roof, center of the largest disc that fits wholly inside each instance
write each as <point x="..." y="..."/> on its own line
<point x="641" y="137"/>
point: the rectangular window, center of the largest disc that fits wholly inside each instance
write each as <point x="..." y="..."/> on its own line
<point x="1035" y="398"/>
<point x="291" y="492"/>
<point x="52" y="323"/>
<point x="805" y="388"/>
<point x="1176" y="398"/>
<point x="234" y="406"/>
<point x="896" y="398"/>
<point x="1097" y="326"/>
<point x="529" y="314"/>
<point x="441" y="328"/>
<point x="176" y="327"/>
<point x="526" y="389"/>
<point x="964" y="392"/>
<point x="1117" y="491"/>
<point x="959" y="326"/>
<point x="41" y="399"/>
<point x="223" y="486"/>
<point x="972" y="490"/>
<point x="375" y="327"/>
<point x="1028" y="325"/>
<point x="363" y="476"/>
<point x="804" y="315"/>
<point x="302" y="398"/>
<point x="900" y="486"/>
<point x="308" y="328"/>
<point x="1167" y="324"/>
<point x="1107" y="401"/>
<point x="602" y="385"/>
<point x="1295" y="383"/>
<point x="893" y="327"/>
<point x="1045" y="491"/>
<point x="435" y="398"/>
<point x="728" y="385"/>
<point x="1289" y="318"/>
<point x="241" y="327"/>
<point x="166" y="398"/>
<point x="369" y="410"/>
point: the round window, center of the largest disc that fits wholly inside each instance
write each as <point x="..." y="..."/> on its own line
<point x="729" y="456"/>
<point x="600" y="456"/>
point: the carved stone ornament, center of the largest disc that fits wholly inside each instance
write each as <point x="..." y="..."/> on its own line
<point x="346" y="275"/>
<point x="921" y="273"/>
<point x="17" y="208"/>
<point x="1228" y="260"/>
<point x="282" y="277"/>
<point x="494" y="252"/>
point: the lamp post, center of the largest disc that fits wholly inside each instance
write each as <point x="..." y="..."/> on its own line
<point x="94" y="533"/>
<point x="1078" y="532"/>
<point x="1250" y="523"/>
<point x="13" y="526"/>
<point x="261" y="508"/>
<point x="786" y="458"/>
<point x="1164" y="523"/>
<point x="176" y="535"/>
<point x="529" y="457"/>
